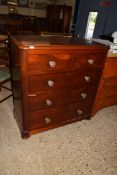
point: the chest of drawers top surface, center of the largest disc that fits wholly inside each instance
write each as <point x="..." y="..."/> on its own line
<point x="35" y="42"/>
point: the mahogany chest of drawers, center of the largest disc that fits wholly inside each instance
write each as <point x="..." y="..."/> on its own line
<point x="54" y="80"/>
<point x="107" y="91"/>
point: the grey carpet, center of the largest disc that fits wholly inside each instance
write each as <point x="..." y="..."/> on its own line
<point x="81" y="148"/>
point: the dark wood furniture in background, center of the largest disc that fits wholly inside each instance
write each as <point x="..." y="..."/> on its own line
<point x="107" y="91"/>
<point x="3" y="2"/>
<point x="11" y="26"/>
<point x="58" y="18"/>
<point x="54" y="80"/>
<point x="17" y="24"/>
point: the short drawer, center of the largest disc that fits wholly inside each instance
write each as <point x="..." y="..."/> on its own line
<point x="53" y="99"/>
<point x="45" y="82"/>
<point x="110" y="82"/>
<point x="89" y="61"/>
<point x="58" y="115"/>
<point x="48" y="63"/>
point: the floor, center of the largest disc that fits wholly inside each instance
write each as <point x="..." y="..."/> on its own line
<point x="81" y="148"/>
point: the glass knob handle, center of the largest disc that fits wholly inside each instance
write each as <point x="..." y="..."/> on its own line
<point x="48" y="102"/>
<point x="87" y="78"/>
<point x="83" y="95"/>
<point x="47" y="120"/>
<point x="91" y="61"/>
<point x="52" y="63"/>
<point x="50" y="83"/>
<point x="79" y="112"/>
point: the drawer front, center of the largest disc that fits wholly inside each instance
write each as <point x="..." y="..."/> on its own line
<point x="46" y="118"/>
<point x="87" y="60"/>
<point x="38" y="83"/>
<point x="47" y="63"/>
<point x="58" y="98"/>
<point x="108" y="101"/>
<point x="105" y="102"/>
<point x="110" y="82"/>
<point x="110" y="69"/>
<point x="108" y="91"/>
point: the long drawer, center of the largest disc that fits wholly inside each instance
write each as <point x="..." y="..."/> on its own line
<point x="45" y="118"/>
<point x="53" y="99"/>
<point x="45" y="82"/>
<point x="48" y="63"/>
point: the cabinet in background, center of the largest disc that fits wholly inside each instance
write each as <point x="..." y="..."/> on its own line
<point x="59" y="17"/>
<point x="107" y="91"/>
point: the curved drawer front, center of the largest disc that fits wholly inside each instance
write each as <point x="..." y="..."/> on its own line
<point x="46" y="63"/>
<point x="57" y="98"/>
<point x="81" y="61"/>
<point x="110" y="69"/>
<point x="40" y="83"/>
<point x="106" y="101"/>
<point x="46" y="118"/>
<point x="110" y="82"/>
<point x="108" y="91"/>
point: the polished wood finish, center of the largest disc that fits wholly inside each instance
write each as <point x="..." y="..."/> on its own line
<point x="37" y="83"/>
<point x="110" y="67"/>
<point x="63" y="62"/>
<point x="39" y="101"/>
<point x="55" y="80"/>
<point x="59" y="114"/>
<point x="107" y="91"/>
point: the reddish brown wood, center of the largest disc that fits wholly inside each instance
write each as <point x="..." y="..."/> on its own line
<point x="90" y="61"/>
<point x="75" y="81"/>
<point x="59" y="114"/>
<point x="107" y="91"/>
<point x="62" y="62"/>
<point x="110" y="67"/>
<point x="111" y="81"/>
<point x="37" y="83"/>
<point x="37" y="101"/>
